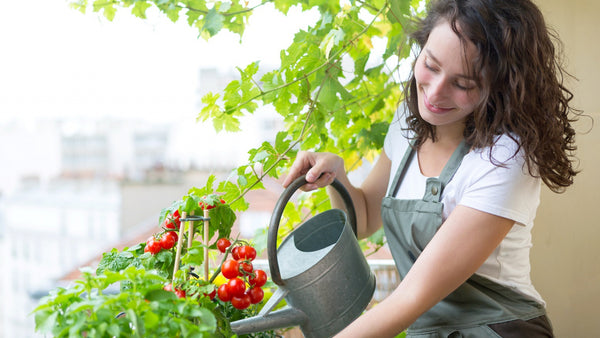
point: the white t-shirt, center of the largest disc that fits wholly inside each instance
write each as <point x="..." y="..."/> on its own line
<point x="509" y="192"/>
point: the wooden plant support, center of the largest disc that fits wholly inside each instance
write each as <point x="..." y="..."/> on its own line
<point x="179" y="244"/>
<point x="206" y="240"/>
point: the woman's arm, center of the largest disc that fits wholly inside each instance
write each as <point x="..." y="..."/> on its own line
<point x="457" y="250"/>
<point x="320" y="170"/>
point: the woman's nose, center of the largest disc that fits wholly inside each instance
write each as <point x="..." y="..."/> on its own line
<point x="437" y="89"/>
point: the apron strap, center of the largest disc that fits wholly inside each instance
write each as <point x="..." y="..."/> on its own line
<point x="401" y="171"/>
<point x="454" y="162"/>
<point x="434" y="185"/>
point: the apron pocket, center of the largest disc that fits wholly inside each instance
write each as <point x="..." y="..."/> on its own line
<point x="538" y="327"/>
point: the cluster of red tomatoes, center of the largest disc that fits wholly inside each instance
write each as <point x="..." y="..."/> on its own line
<point x="167" y="239"/>
<point x="244" y="284"/>
<point x="209" y="206"/>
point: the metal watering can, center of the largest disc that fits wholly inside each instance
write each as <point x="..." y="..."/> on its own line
<point x="320" y="270"/>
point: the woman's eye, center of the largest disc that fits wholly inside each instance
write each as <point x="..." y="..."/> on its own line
<point x="461" y="87"/>
<point x="429" y="67"/>
<point x="464" y="87"/>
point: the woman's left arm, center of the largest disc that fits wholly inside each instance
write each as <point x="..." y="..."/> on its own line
<point x="461" y="245"/>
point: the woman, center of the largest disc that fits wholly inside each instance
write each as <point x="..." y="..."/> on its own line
<point x="457" y="185"/>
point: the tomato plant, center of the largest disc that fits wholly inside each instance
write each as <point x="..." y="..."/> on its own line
<point x="156" y="288"/>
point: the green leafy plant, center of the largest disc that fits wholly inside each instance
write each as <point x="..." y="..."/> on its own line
<point x="334" y="90"/>
<point x="157" y="297"/>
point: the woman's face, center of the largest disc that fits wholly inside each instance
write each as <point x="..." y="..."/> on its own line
<point x="446" y="91"/>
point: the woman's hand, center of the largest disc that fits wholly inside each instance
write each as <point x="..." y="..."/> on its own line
<point x="320" y="169"/>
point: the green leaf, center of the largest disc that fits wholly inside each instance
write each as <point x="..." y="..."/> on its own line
<point x="114" y="261"/>
<point x="192" y="17"/>
<point x="213" y="22"/>
<point x="173" y="13"/>
<point x="113" y="330"/>
<point x="399" y="9"/>
<point x="333" y="38"/>
<point x="139" y="9"/>
<point x="160" y="295"/>
<point x="45" y="321"/>
<point x="108" y="9"/>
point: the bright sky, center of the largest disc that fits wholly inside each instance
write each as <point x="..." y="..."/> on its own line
<point x="59" y="62"/>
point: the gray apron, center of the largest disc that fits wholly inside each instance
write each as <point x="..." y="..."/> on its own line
<point x="473" y="307"/>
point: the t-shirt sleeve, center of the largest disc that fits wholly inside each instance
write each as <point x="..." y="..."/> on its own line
<point x="508" y="191"/>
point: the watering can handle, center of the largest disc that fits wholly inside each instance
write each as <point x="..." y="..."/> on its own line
<point x="278" y="212"/>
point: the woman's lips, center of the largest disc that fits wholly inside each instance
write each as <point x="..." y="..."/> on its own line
<point x="433" y="108"/>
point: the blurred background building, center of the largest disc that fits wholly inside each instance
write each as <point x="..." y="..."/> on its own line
<point x="79" y="187"/>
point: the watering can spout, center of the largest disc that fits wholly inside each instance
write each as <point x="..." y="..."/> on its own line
<point x="283" y="318"/>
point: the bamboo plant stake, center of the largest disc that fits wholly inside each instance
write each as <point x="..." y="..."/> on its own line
<point x="190" y="232"/>
<point x="205" y="240"/>
<point x="179" y="244"/>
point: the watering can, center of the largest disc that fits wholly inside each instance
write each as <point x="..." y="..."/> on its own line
<point x="319" y="269"/>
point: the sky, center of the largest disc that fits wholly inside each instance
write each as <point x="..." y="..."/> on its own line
<point x="58" y="62"/>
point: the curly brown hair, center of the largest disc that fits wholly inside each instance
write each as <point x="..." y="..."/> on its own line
<point x="520" y="74"/>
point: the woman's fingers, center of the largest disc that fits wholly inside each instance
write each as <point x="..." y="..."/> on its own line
<point x="300" y="167"/>
<point x="318" y="168"/>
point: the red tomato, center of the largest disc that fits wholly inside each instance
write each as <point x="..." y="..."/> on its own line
<point x="258" y="279"/>
<point x="180" y="293"/>
<point x="223" y="293"/>
<point x="246" y="266"/>
<point x="169" y="224"/>
<point x="152" y="246"/>
<point x="230" y="269"/>
<point x="172" y="221"/>
<point x="236" y="287"/>
<point x="242" y="302"/>
<point x="168" y="240"/>
<point x="247" y="252"/>
<point x="235" y="253"/>
<point x="204" y="205"/>
<point x="223" y="244"/>
<point x="256" y="295"/>
<point x="169" y="287"/>
<point x="211" y="295"/>
<point x="222" y="201"/>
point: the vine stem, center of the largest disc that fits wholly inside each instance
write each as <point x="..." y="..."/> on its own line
<point x="282" y="156"/>
<point x="226" y="14"/>
<point x="306" y="75"/>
